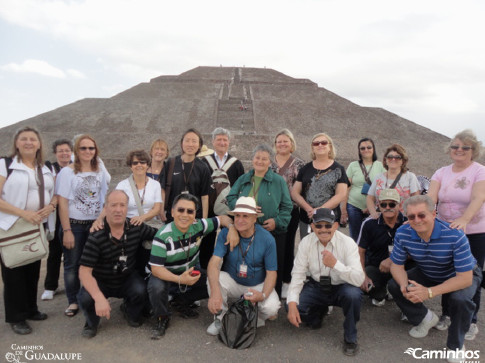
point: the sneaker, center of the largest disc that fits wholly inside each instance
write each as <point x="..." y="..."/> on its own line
<point x="472" y="332"/>
<point x="459" y="356"/>
<point x="330" y="309"/>
<point x="214" y="328"/>
<point x="378" y="302"/>
<point x="196" y="303"/>
<point x="89" y="332"/>
<point x="48" y="295"/>
<point x="404" y="318"/>
<point x="444" y="322"/>
<point x="187" y="312"/>
<point x="160" y="327"/>
<point x="421" y="330"/>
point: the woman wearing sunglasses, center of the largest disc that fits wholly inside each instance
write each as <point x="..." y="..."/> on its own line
<point x="322" y="183"/>
<point x="361" y="173"/>
<point x="396" y="177"/>
<point x="81" y="188"/>
<point x="459" y="190"/>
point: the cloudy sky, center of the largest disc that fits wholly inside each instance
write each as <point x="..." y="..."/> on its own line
<point x="423" y="60"/>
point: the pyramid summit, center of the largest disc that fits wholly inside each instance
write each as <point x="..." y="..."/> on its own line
<point x="253" y="103"/>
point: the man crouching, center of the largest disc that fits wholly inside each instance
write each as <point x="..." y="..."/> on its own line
<point x="249" y="270"/>
<point x="175" y="254"/>
<point x="331" y="259"/>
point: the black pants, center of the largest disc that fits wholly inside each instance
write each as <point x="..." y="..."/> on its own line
<point x="133" y="292"/>
<point x="280" y="240"/>
<point x="53" y="263"/>
<point x="206" y="249"/>
<point x="20" y="291"/>
<point x="290" y="244"/>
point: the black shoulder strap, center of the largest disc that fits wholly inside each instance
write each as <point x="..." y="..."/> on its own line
<point x="8" y="161"/>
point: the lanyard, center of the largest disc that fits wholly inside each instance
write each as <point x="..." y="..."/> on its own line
<point x="122" y="241"/>
<point x="187" y="178"/>
<point x="243" y="255"/>
<point x="187" y="253"/>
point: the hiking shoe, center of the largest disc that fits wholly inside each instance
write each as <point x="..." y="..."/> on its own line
<point x="48" y="295"/>
<point x="444" y="323"/>
<point x="472" y="332"/>
<point x="421" y="330"/>
<point x="21" y="328"/>
<point x="158" y="330"/>
<point x="89" y="332"/>
<point x="214" y="328"/>
<point x="378" y="302"/>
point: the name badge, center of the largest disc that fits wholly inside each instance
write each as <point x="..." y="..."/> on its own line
<point x="243" y="270"/>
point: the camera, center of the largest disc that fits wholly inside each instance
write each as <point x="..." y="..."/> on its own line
<point x="326" y="284"/>
<point x="195" y="273"/>
<point x="121" y="266"/>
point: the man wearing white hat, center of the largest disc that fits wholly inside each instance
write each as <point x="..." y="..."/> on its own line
<point x="250" y="267"/>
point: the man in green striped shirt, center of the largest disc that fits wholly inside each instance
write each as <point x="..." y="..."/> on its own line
<point x="174" y="258"/>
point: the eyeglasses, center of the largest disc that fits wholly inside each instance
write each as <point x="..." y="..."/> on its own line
<point x="135" y="163"/>
<point x="464" y="148"/>
<point x="385" y="204"/>
<point x="362" y="148"/>
<point x="188" y="210"/>
<point x="84" y="148"/>
<point x="412" y="217"/>
<point x="323" y="142"/>
<point x="320" y="226"/>
<point x="395" y="157"/>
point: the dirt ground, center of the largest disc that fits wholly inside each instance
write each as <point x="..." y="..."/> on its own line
<point x="382" y="338"/>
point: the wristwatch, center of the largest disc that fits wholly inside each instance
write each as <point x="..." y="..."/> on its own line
<point x="430" y="293"/>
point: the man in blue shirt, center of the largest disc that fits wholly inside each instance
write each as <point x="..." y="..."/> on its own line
<point x="445" y="265"/>
<point x="250" y="267"/>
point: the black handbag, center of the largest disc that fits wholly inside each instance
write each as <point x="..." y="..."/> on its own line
<point x="238" y="329"/>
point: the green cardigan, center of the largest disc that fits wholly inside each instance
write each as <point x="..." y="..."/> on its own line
<point x="273" y="198"/>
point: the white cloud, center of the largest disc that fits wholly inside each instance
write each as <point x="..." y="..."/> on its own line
<point x="35" y="66"/>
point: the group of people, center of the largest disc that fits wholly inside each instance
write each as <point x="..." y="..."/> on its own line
<point x="154" y="239"/>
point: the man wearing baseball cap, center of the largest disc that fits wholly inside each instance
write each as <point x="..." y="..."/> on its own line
<point x="375" y="241"/>
<point x="331" y="260"/>
<point x="250" y="267"/>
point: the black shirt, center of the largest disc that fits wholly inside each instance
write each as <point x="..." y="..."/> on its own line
<point x="197" y="182"/>
<point x="318" y="186"/>
<point x="102" y="253"/>
<point x="376" y="237"/>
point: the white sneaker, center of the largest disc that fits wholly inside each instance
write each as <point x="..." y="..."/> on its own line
<point x="330" y="310"/>
<point x="378" y="302"/>
<point x="214" y="328"/>
<point x="459" y="356"/>
<point x="48" y="295"/>
<point x="421" y="330"/>
<point x="472" y="332"/>
<point x="444" y="323"/>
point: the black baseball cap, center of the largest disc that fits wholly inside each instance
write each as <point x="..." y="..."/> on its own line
<point x="324" y="214"/>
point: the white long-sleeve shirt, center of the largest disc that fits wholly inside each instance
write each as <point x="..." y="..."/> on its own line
<point x="308" y="262"/>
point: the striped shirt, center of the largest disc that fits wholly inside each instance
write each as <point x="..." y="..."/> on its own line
<point x="102" y="253"/>
<point x="177" y="251"/>
<point x="447" y="252"/>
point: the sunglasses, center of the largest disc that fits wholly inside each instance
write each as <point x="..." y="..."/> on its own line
<point x="320" y="226"/>
<point x="135" y="163"/>
<point x="412" y="217"/>
<point x="188" y="210"/>
<point x="84" y="148"/>
<point x="395" y="157"/>
<point x="324" y="143"/>
<point x="385" y="204"/>
<point x="362" y="148"/>
<point x="464" y="148"/>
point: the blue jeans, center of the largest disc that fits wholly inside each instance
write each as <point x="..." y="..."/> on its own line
<point x="71" y="260"/>
<point x="356" y="217"/>
<point x="348" y="297"/>
<point x="460" y="305"/>
<point x="133" y="291"/>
